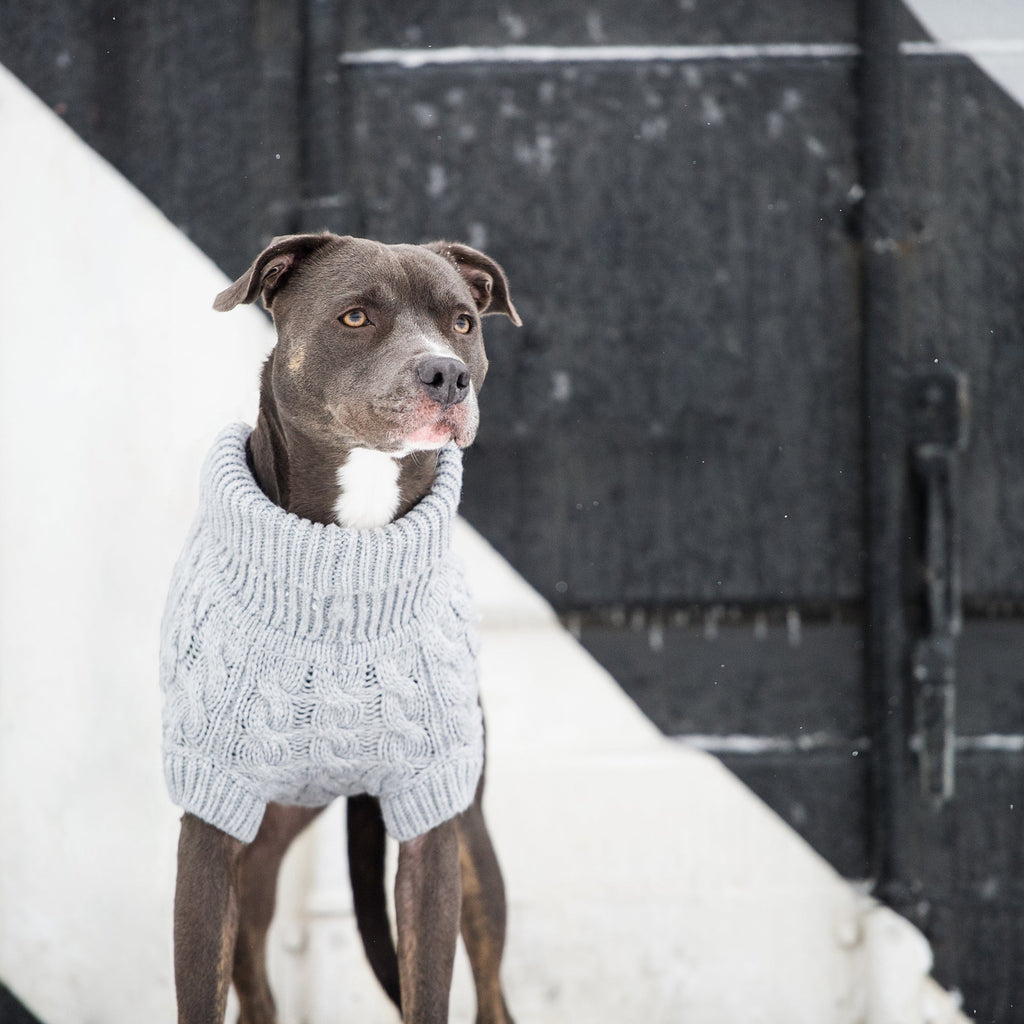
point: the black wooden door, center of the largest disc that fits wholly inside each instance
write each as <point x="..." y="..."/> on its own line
<point x="707" y="445"/>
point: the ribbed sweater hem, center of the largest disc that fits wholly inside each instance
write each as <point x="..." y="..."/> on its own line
<point x="202" y="788"/>
<point x="432" y="800"/>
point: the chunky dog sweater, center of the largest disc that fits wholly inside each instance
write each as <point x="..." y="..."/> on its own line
<point x="300" y="662"/>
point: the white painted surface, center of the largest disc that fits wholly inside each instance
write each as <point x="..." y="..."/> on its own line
<point x="115" y="375"/>
<point x="991" y="32"/>
<point x="645" y="883"/>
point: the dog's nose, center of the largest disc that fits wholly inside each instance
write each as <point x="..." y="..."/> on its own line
<point x="445" y="379"/>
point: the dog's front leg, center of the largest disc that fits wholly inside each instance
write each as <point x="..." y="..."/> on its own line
<point x="428" y="898"/>
<point x="205" y="920"/>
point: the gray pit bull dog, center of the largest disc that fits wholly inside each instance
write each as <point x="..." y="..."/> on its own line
<point x="377" y="366"/>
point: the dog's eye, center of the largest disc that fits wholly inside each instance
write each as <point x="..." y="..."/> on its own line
<point x="354" y="318"/>
<point x="463" y="324"/>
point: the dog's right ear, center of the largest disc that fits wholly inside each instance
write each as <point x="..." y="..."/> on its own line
<point x="270" y="269"/>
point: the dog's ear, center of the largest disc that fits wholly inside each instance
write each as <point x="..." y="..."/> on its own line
<point x="485" y="278"/>
<point x="270" y="269"/>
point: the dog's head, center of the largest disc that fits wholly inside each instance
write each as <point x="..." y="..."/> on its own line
<point x="379" y="346"/>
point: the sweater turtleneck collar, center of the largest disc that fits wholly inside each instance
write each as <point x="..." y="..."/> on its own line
<point x="321" y="583"/>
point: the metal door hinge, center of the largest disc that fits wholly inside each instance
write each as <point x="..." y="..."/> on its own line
<point x="938" y="406"/>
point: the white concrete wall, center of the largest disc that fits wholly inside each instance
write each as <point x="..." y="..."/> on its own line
<point x="114" y="374"/>
<point x="645" y="883"/>
<point x="991" y="32"/>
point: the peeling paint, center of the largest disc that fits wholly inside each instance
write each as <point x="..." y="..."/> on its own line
<point x="653" y="129"/>
<point x="540" y="155"/>
<point x="437" y="181"/>
<point x="424" y="114"/>
<point x="815" y="147"/>
<point x="561" y="386"/>
<point x="514" y="25"/>
<point x="792" y="100"/>
<point x="476" y="235"/>
<point x="711" y="111"/>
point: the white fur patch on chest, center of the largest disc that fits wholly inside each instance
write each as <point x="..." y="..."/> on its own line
<point x="368" y="483"/>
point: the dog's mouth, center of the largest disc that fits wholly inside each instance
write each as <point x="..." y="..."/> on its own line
<point x="418" y="425"/>
<point x="438" y="428"/>
<point x="432" y="435"/>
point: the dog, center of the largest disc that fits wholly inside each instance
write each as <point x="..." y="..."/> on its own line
<point x="377" y="367"/>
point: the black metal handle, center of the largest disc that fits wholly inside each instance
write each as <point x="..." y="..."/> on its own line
<point x="938" y="432"/>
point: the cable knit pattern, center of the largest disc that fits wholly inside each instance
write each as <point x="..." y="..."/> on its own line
<point x="301" y="662"/>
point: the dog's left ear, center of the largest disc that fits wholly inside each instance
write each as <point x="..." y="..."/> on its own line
<point x="270" y="269"/>
<point x="486" y="279"/>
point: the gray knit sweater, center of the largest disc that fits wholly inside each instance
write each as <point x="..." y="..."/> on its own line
<point x="301" y="662"/>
